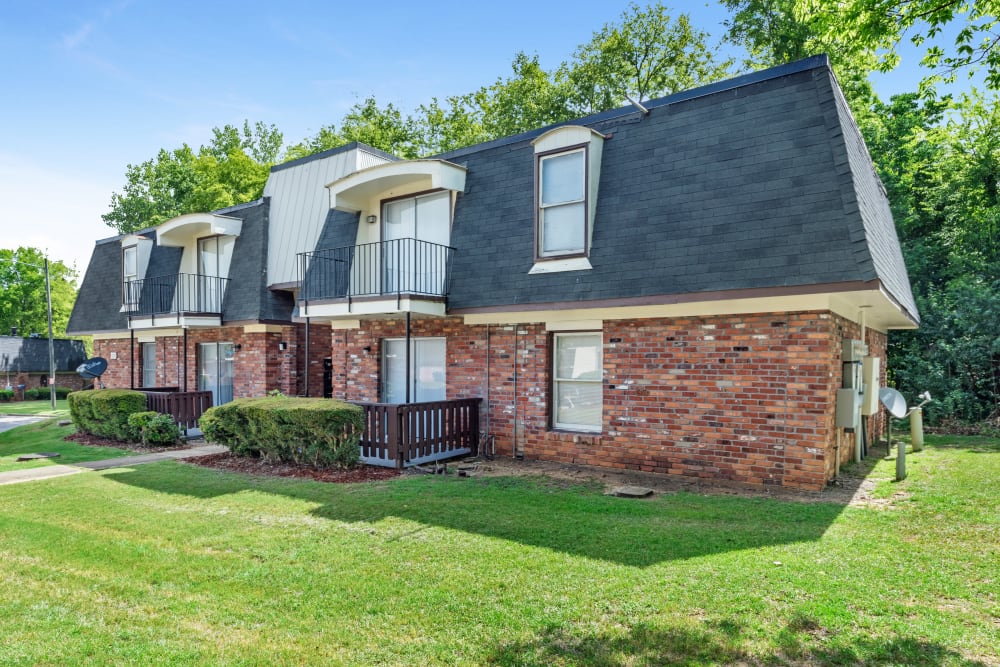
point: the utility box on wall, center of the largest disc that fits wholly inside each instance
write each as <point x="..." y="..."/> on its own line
<point x="848" y="412"/>
<point x="871" y="378"/>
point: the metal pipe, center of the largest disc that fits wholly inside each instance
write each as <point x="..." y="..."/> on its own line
<point x="307" y="359"/>
<point x="516" y="349"/>
<point x="52" y="345"/>
<point x="836" y="468"/>
<point x="131" y="369"/>
<point x="185" y="356"/>
<point x="407" y="356"/>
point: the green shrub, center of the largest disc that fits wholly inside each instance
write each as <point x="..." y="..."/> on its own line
<point x="61" y="392"/>
<point x="313" y="431"/>
<point x="6" y="395"/>
<point x="153" y="429"/>
<point x="33" y="394"/>
<point x="105" y="412"/>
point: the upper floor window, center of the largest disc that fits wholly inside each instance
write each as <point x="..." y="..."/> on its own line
<point x="130" y="273"/>
<point x="562" y="203"/>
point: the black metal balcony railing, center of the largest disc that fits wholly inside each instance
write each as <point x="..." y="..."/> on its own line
<point x="177" y="293"/>
<point x="400" y="266"/>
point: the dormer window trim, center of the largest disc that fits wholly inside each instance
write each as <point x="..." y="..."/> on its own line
<point x="540" y="254"/>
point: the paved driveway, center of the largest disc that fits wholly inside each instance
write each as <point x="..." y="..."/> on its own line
<point x="9" y="422"/>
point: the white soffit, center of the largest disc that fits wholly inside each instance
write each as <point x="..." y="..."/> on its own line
<point x="180" y="230"/>
<point x="353" y="192"/>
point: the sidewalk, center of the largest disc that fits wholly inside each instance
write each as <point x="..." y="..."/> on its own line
<point x="48" y="472"/>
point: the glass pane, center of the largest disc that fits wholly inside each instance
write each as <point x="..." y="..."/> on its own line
<point x="562" y="229"/>
<point x="433" y="216"/>
<point x="208" y="256"/>
<point x="562" y="178"/>
<point x="578" y="357"/>
<point x="400" y="219"/>
<point x="130" y="264"/>
<point x="393" y="371"/>
<point x="227" y="354"/>
<point x="578" y="404"/>
<point x="429" y="369"/>
<point x="208" y="369"/>
<point x="149" y="364"/>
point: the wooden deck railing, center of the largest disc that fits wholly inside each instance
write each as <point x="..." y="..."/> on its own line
<point x="399" y="435"/>
<point x="184" y="406"/>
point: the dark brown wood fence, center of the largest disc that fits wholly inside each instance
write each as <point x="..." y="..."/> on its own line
<point x="399" y="435"/>
<point x="184" y="406"/>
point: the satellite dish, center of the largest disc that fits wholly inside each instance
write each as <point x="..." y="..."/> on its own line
<point x="92" y="368"/>
<point x="893" y="402"/>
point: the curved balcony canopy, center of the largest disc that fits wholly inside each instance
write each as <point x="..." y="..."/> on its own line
<point x="353" y="192"/>
<point x="181" y="230"/>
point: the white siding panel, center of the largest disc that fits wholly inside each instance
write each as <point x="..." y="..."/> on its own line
<point x="299" y="206"/>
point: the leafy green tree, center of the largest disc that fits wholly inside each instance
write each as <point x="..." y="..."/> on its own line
<point x="22" y="292"/>
<point x="646" y="54"/>
<point x="529" y="99"/>
<point x="882" y="24"/>
<point x="232" y="169"/>
<point x="385" y="128"/>
<point x="775" y="32"/>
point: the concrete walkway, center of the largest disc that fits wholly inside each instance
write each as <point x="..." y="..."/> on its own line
<point x="48" y="472"/>
<point x="7" y="422"/>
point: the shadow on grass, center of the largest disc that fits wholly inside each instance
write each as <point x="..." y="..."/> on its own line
<point x="720" y="642"/>
<point x="580" y="521"/>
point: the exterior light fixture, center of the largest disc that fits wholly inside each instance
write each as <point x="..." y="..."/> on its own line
<point x="282" y="346"/>
<point x="372" y="219"/>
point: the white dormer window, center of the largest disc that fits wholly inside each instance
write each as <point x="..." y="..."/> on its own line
<point x="567" y="177"/>
<point x="562" y="203"/>
<point x="130" y="273"/>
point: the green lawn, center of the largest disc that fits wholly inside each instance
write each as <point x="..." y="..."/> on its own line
<point x="42" y="408"/>
<point x="170" y="563"/>
<point x="45" y="436"/>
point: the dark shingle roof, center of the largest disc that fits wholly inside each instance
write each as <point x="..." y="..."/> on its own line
<point x="758" y="185"/>
<point x="31" y="355"/>
<point x="98" y="304"/>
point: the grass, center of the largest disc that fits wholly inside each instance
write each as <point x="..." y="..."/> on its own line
<point x="169" y="563"/>
<point x="45" y="436"/>
<point x="41" y="408"/>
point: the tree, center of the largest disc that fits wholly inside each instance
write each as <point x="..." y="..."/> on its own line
<point x="645" y="55"/>
<point x="380" y="127"/>
<point x="882" y="25"/>
<point x="232" y="169"/>
<point x="529" y="99"/>
<point x="775" y="32"/>
<point x="22" y="292"/>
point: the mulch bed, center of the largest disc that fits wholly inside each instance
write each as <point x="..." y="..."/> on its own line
<point x="94" y="441"/>
<point x="251" y="466"/>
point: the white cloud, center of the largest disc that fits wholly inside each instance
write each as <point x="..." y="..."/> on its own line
<point x="56" y="210"/>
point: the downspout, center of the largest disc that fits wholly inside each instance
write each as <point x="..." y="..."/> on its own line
<point x="487" y="380"/>
<point x="185" y="355"/>
<point x="407" y="356"/>
<point x="307" y="359"/>
<point x="516" y="350"/>
<point x="131" y="370"/>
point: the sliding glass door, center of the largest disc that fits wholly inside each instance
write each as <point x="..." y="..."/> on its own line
<point x="215" y="370"/>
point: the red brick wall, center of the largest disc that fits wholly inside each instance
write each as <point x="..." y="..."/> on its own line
<point x="259" y="365"/>
<point x="747" y="398"/>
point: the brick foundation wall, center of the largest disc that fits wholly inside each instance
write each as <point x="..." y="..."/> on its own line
<point x="746" y="398"/>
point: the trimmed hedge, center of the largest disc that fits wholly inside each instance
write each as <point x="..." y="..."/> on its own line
<point x="313" y="431"/>
<point x="6" y="395"/>
<point x="154" y="429"/>
<point x="105" y="412"/>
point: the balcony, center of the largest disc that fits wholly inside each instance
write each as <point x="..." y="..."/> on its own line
<point x="180" y="299"/>
<point x="401" y="275"/>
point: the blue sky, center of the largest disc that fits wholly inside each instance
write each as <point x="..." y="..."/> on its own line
<point x="89" y="87"/>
